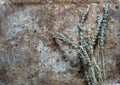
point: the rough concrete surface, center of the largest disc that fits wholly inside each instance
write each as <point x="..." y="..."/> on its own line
<point x="28" y="52"/>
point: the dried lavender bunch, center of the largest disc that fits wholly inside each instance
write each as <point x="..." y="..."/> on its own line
<point x="86" y="49"/>
<point x="84" y="46"/>
<point x="84" y="57"/>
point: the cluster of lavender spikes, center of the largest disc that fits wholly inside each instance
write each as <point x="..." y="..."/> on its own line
<point x="94" y="70"/>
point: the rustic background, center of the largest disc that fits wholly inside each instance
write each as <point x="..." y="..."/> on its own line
<point x="28" y="53"/>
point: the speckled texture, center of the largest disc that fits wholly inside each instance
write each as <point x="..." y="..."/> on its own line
<point x="28" y="53"/>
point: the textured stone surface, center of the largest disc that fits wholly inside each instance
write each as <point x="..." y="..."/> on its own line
<point x="28" y="53"/>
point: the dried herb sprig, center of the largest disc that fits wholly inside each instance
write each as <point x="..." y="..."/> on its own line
<point x="102" y="39"/>
<point x="61" y="37"/>
<point x="80" y="29"/>
<point x="81" y="24"/>
<point x="90" y="37"/>
<point x="99" y="22"/>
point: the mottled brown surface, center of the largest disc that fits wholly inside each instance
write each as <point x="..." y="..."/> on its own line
<point x="28" y="53"/>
